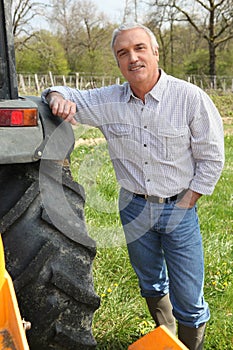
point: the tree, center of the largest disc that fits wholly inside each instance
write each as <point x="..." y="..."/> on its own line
<point x="83" y="32"/>
<point x="213" y="20"/>
<point x="43" y="53"/>
<point x="23" y="15"/>
<point x="162" y="17"/>
<point x="94" y="31"/>
<point x="130" y="10"/>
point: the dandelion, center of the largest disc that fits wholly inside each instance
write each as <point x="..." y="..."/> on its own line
<point x="103" y="295"/>
<point x="214" y="283"/>
<point x="115" y="284"/>
<point x="225" y="284"/>
<point x="109" y="290"/>
<point x="145" y="327"/>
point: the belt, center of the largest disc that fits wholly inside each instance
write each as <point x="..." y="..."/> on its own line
<point x="159" y="200"/>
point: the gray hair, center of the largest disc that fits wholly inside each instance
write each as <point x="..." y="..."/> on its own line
<point x="128" y="26"/>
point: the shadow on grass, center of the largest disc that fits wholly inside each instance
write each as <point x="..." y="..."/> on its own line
<point x="114" y="344"/>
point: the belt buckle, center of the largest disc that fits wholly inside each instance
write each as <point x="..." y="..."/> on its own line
<point x="146" y="196"/>
<point x="161" y="200"/>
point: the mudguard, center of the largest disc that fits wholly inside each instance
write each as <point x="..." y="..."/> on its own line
<point x="52" y="139"/>
<point x="58" y="140"/>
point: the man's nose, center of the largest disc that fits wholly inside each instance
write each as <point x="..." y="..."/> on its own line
<point x="133" y="56"/>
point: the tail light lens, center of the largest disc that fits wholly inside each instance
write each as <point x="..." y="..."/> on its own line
<point x="19" y="117"/>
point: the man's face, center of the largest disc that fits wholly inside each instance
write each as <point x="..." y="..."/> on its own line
<point x="136" y="58"/>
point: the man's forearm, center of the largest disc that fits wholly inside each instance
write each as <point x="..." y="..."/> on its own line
<point x="61" y="107"/>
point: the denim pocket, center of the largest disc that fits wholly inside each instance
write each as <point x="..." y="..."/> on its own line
<point x="176" y="205"/>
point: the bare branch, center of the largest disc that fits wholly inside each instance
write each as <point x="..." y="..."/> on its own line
<point x="23" y="12"/>
<point x="188" y="17"/>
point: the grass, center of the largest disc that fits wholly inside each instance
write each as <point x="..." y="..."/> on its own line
<point x="123" y="316"/>
<point x="216" y="217"/>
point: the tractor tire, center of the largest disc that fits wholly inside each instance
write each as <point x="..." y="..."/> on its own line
<point x="48" y="256"/>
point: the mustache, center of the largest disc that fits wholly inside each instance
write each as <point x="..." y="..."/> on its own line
<point x="135" y="65"/>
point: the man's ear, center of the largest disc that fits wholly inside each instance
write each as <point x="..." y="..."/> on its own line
<point x="156" y="53"/>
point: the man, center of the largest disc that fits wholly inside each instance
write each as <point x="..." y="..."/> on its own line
<point x="165" y="140"/>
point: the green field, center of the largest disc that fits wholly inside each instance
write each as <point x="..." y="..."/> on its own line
<point x="123" y="317"/>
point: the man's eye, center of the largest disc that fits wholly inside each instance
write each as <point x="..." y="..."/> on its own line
<point x="122" y="54"/>
<point x="140" y="48"/>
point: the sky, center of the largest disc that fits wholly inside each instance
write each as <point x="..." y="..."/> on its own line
<point x="114" y="8"/>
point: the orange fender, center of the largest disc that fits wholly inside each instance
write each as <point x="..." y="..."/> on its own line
<point x="12" y="333"/>
<point x="159" y="339"/>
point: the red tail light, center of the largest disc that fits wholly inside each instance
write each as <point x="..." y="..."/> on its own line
<point x="19" y="117"/>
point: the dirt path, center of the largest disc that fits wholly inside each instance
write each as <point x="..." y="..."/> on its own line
<point x="89" y="142"/>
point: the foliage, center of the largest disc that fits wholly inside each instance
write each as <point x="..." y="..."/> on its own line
<point x="215" y="24"/>
<point x="196" y="63"/>
<point x="99" y="61"/>
<point x="225" y="59"/>
<point x="224" y="103"/>
<point x="43" y="53"/>
<point x="46" y="47"/>
<point x="84" y="36"/>
<point x="123" y="316"/>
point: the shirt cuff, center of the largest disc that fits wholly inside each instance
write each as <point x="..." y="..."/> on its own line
<point x="47" y="91"/>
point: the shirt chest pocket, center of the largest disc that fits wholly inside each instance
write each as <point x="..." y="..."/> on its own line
<point x="175" y="141"/>
<point x="119" y="130"/>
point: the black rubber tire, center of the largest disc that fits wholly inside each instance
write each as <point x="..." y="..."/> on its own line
<point x="50" y="264"/>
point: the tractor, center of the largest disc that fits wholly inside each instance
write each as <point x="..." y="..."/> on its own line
<point x="48" y="252"/>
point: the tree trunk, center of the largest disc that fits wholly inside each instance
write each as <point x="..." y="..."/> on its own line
<point x="212" y="55"/>
<point x="212" y="63"/>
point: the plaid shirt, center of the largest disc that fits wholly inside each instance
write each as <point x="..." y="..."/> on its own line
<point x="172" y="142"/>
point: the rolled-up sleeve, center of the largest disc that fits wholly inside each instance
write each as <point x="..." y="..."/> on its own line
<point x="207" y="142"/>
<point x="66" y="92"/>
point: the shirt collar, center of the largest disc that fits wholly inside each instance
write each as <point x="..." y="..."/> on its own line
<point x="156" y="92"/>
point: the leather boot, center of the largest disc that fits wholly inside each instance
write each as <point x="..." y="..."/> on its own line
<point x="193" y="338"/>
<point x="161" y="311"/>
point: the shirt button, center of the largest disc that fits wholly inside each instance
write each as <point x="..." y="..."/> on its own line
<point x="148" y="180"/>
<point x="145" y="126"/>
<point x="145" y="145"/>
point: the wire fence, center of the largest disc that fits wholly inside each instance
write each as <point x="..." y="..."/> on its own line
<point x="216" y="83"/>
<point x="35" y="83"/>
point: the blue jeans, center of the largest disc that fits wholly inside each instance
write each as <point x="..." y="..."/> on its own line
<point x="165" y="250"/>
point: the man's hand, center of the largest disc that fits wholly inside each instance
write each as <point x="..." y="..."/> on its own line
<point x="188" y="200"/>
<point x="61" y="107"/>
